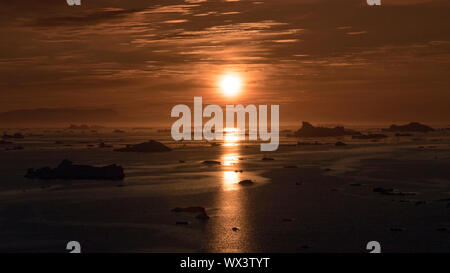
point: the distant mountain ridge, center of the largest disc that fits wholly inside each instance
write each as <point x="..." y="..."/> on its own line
<point x="58" y="115"/>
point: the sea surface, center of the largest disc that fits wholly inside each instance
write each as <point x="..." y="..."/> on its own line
<point x="136" y="213"/>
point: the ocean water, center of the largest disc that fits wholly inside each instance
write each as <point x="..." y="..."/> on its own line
<point x="135" y="214"/>
<point x="48" y="147"/>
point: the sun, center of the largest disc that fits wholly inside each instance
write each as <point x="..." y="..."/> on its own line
<point x="230" y="85"/>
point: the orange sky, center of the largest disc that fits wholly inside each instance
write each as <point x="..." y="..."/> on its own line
<point x="323" y="61"/>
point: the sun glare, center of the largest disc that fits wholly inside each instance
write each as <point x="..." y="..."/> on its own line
<point x="230" y="85"/>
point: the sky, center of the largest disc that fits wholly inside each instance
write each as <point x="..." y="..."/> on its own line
<point x="322" y="61"/>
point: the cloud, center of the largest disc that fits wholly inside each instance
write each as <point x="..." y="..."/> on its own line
<point x="129" y="53"/>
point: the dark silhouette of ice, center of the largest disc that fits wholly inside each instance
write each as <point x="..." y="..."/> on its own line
<point x="411" y="127"/>
<point x="67" y="170"/>
<point x="370" y="136"/>
<point x="16" y="135"/>
<point x="309" y="130"/>
<point x="151" y="146"/>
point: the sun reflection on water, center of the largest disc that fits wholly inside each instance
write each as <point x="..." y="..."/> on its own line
<point x="230" y="180"/>
<point x="231" y="200"/>
<point x="230" y="159"/>
<point x="230" y="137"/>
